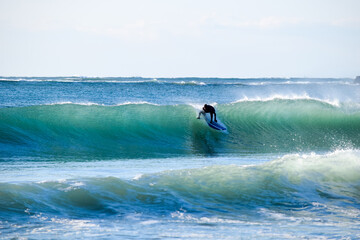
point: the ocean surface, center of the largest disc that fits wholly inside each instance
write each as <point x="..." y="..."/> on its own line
<point x="126" y="158"/>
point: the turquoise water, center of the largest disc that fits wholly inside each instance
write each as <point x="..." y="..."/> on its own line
<point x="126" y="158"/>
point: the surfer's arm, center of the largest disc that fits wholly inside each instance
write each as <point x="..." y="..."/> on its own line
<point x="201" y="112"/>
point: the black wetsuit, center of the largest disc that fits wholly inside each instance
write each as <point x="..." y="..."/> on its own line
<point x="210" y="109"/>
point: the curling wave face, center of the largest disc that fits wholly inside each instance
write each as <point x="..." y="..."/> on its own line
<point x="146" y="130"/>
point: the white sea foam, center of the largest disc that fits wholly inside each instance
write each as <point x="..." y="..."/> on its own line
<point x="137" y="176"/>
<point x="305" y="96"/>
<point x="188" y="83"/>
<point x="292" y="82"/>
<point x="136" y="103"/>
<point x="99" y="104"/>
<point x="199" y="106"/>
<point x="76" y="103"/>
<point x="149" y="222"/>
<point x="178" y="215"/>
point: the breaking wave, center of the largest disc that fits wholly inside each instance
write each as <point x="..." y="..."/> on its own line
<point x="145" y="130"/>
<point x="314" y="182"/>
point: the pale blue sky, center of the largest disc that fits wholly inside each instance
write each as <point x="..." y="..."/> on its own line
<point x="180" y="38"/>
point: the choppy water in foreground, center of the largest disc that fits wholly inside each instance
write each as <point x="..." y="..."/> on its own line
<point x="126" y="158"/>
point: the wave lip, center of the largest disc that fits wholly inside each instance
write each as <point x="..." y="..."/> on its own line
<point x="334" y="102"/>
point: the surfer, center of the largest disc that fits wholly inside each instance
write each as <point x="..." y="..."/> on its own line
<point x="208" y="109"/>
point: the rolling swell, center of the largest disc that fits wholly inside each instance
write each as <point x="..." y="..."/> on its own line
<point x="319" y="183"/>
<point x="146" y="130"/>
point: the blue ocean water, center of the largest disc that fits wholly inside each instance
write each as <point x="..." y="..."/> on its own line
<point x="112" y="158"/>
